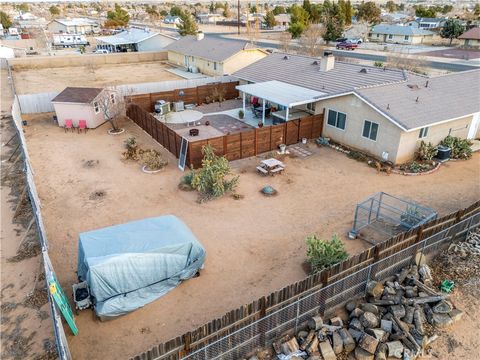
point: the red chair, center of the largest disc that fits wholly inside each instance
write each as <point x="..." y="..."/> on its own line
<point x="82" y="125"/>
<point x="68" y="125"/>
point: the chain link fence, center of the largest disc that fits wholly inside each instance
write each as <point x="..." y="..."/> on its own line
<point x="293" y="317"/>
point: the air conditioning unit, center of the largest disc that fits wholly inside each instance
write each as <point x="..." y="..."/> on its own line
<point x="178" y="106"/>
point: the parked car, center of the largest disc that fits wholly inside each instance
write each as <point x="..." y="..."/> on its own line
<point x="346" y="46"/>
<point x="340" y="40"/>
<point x="357" y="41"/>
<point x="101" y="51"/>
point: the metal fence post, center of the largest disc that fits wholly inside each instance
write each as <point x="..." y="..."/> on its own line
<point x="297" y="316"/>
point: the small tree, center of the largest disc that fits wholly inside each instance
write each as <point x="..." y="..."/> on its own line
<point x="277" y="10"/>
<point x="322" y="254"/>
<point x="311" y="40"/>
<point x="118" y="16"/>
<point x="285" y="40"/>
<point x="452" y="30"/>
<point x="211" y="179"/>
<point x="269" y="20"/>
<point x="226" y="11"/>
<point x="369" y="12"/>
<point x="5" y="20"/>
<point x="112" y="104"/>
<point x="296" y="29"/>
<point x="187" y="26"/>
<point x="54" y="10"/>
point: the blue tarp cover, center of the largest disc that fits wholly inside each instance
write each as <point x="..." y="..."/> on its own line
<point x="130" y="265"/>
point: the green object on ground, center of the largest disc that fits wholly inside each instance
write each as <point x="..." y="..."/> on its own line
<point x="447" y="286"/>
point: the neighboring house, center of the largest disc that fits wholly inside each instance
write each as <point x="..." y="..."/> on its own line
<point x="172" y="20"/>
<point x="427" y="23"/>
<point x="383" y="112"/>
<point x="134" y="40"/>
<point x="6" y="52"/>
<point x="209" y="18"/>
<point x="471" y="37"/>
<point x="80" y="103"/>
<point x="282" y="21"/>
<point x="399" y="34"/>
<point x="73" y="26"/>
<point x="69" y="40"/>
<point x="213" y="56"/>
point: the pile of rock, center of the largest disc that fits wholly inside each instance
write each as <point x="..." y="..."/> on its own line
<point x="471" y="246"/>
<point x="390" y="322"/>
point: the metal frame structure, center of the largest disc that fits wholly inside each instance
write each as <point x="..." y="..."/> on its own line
<point x="389" y="215"/>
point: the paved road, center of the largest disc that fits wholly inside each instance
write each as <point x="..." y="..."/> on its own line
<point x="441" y="65"/>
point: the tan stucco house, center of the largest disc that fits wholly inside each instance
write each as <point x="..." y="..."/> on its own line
<point x="399" y="34"/>
<point x="211" y="55"/>
<point x="81" y="103"/>
<point x="73" y="26"/>
<point x="471" y="37"/>
<point x="383" y="112"/>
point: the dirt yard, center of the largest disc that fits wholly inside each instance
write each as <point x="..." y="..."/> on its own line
<point x="26" y="327"/>
<point x="254" y="245"/>
<point x="33" y="81"/>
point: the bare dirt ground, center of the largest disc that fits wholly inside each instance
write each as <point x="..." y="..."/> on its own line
<point x="26" y="328"/>
<point x="56" y="79"/>
<point x="254" y="245"/>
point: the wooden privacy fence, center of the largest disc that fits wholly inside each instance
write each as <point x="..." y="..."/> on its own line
<point x="234" y="146"/>
<point x="193" y="95"/>
<point x="257" y="324"/>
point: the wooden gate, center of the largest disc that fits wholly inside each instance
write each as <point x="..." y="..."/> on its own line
<point x="291" y="136"/>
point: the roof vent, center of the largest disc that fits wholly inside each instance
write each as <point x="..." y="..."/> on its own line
<point x="413" y="86"/>
<point x="363" y="71"/>
<point x="315" y="63"/>
<point x="285" y="57"/>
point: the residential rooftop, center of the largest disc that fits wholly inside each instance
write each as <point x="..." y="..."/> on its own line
<point x="305" y="71"/>
<point x="76" y="22"/>
<point x="210" y="48"/>
<point x="399" y="30"/>
<point x="472" y="34"/>
<point x="77" y="95"/>
<point x="130" y="36"/>
<point x="423" y="101"/>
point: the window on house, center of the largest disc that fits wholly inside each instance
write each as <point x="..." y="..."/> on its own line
<point x="96" y="107"/>
<point x="406" y="37"/>
<point x="390" y="36"/>
<point x="311" y="107"/>
<point x="215" y="65"/>
<point x="112" y="98"/>
<point x="336" y="119"/>
<point x="370" y="130"/>
<point x="423" y="133"/>
<point x="378" y="35"/>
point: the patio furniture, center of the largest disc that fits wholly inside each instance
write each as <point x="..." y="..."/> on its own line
<point x="262" y="170"/>
<point x="272" y="166"/>
<point x="68" y="125"/>
<point x="82" y="125"/>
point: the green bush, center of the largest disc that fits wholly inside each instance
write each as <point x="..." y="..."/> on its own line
<point x="153" y="160"/>
<point x="132" y="149"/>
<point x="416" y="167"/>
<point x="211" y="179"/>
<point x="357" y="155"/>
<point x="426" y="152"/>
<point x="241" y="114"/>
<point x="322" y="254"/>
<point x="461" y="148"/>
<point x="378" y="64"/>
<point x="186" y="181"/>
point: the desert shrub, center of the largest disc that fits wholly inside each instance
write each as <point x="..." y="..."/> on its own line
<point x="461" y="148"/>
<point x="186" y="181"/>
<point x="415" y="167"/>
<point x="426" y="152"/>
<point x="241" y="114"/>
<point x="132" y="149"/>
<point x="322" y="254"/>
<point x="153" y="160"/>
<point x="357" y="155"/>
<point x="378" y="64"/>
<point x="211" y="179"/>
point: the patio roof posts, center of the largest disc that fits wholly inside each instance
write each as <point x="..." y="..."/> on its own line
<point x="263" y="111"/>
<point x="286" y="114"/>
<point x="243" y="98"/>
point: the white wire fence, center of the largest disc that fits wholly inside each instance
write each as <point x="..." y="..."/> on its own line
<point x="293" y="317"/>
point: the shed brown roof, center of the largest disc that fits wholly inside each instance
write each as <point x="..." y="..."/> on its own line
<point x="472" y="34"/>
<point x="78" y="95"/>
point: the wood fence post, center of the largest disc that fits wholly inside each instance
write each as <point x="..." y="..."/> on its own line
<point x="263" y="312"/>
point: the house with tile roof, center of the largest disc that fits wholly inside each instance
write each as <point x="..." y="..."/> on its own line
<point x="211" y="55"/>
<point x="399" y="34"/>
<point x="383" y="112"/>
<point x="471" y="38"/>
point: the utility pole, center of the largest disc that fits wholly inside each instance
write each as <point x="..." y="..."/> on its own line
<point x="238" y="17"/>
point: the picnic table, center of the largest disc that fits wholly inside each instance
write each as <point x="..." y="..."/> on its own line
<point x="270" y="167"/>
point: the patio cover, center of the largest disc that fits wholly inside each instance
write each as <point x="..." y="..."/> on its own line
<point x="281" y="93"/>
<point x="130" y="265"/>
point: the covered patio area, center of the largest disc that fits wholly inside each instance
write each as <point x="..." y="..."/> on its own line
<point x="282" y="101"/>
